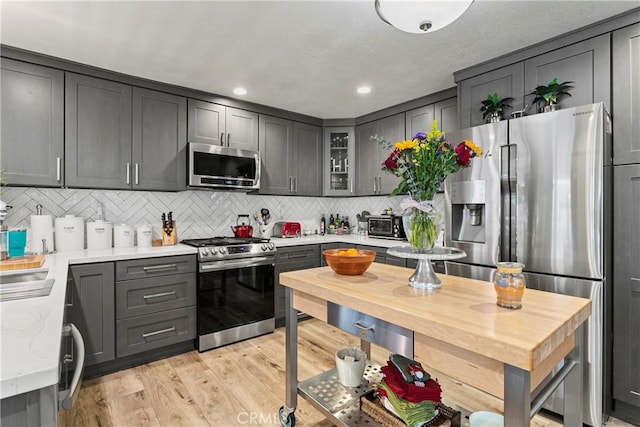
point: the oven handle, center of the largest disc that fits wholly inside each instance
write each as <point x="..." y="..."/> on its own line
<point x="235" y="263"/>
<point x="67" y="397"/>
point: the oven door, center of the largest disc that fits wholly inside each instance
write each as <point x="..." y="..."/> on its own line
<point x="232" y="294"/>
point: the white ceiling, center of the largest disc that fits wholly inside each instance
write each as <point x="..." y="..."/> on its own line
<point x="302" y="56"/>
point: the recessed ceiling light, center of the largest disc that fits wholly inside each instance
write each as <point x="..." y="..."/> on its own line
<point x="364" y="89"/>
<point x="240" y="91"/>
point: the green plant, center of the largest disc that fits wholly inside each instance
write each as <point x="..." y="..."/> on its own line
<point x="493" y="105"/>
<point x="552" y="92"/>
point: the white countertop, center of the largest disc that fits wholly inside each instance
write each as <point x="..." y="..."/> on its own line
<point x="30" y="328"/>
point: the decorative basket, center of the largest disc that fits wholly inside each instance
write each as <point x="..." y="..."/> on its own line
<point x="370" y="405"/>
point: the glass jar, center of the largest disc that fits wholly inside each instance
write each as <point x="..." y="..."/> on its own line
<point x="509" y="284"/>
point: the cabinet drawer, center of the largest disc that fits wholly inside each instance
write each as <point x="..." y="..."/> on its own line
<point x="153" y="267"/>
<point x="151" y="295"/>
<point x="142" y="333"/>
<point x="306" y="256"/>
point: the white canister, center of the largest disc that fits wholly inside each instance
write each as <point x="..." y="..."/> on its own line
<point x="99" y="234"/>
<point x="69" y="233"/>
<point x="143" y="235"/>
<point x="122" y="236"/>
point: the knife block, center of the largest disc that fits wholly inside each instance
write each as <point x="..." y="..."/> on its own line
<point x="170" y="236"/>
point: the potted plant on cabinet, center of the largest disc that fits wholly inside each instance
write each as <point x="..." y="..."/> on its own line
<point x="550" y="94"/>
<point x="492" y="107"/>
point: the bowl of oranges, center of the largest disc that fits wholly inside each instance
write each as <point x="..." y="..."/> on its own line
<point x="349" y="262"/>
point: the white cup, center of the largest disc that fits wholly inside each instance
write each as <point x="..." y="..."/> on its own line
<point x="143" y="234"/>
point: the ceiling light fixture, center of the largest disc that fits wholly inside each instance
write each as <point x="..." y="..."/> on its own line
<point x="363" y="89"/>
<point x="414" y="16"/>
<point x="240" y="91"/>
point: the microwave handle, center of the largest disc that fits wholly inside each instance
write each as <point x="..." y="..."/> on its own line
<point x="228" y="140"/>
<point x="67" y="397"/>
<point x="222" y="139"/>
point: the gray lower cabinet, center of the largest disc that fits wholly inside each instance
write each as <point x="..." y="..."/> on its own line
<point x="292" y="258"/>
<point x="217" y="124"/>
<point x="291" y="155"/>
<point x="155" y="303"/>
<point x="32" y="117"/>
<point x="325" y="246"/>
<point x="506" y="82"/>
<point x="383" y="257"/>
<point x="370" y="178"/>
<point x="587" y="64"/>
<point x="91" y="309"/>
<point x="159" y="141"/>
<point x="626" y="95"/>
<point x="626" y="285"/>
<point x="121" y="137"/>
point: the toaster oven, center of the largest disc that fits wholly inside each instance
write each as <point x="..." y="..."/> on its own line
<point x="386" y="226"/>
<point x="286" y="229"/>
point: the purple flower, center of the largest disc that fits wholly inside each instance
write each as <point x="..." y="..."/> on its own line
<point x="438" y="152"/>
<point x="420" y="135"/>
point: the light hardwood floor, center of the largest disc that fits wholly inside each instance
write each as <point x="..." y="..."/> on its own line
<point x="237" y="385"/>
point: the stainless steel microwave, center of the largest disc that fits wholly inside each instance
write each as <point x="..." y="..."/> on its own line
<point x="223" y="167"/>
<point x="388" y="226"/>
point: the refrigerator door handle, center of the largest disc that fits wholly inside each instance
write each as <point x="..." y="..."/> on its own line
<point x="505" y="202"/>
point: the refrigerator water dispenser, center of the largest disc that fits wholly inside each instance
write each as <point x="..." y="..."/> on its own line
<point x="467" y="211"/>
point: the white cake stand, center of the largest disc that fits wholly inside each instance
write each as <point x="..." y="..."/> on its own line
<point x="424" y="277"/>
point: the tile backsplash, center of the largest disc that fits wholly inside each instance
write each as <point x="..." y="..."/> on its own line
<point x="198" y="213"/>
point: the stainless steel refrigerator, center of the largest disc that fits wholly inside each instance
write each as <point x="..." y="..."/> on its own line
<point x="541" y="195"/>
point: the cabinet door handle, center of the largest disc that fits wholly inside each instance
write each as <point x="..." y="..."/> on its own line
<point x="58" y="169"/>
<point x="137" y="174"/>
<point x="222" y="139"/>
<point x="351" y="185"/>
<point x="295" y="181"/>
<point x="160" y="295"/>
<point x="290" y="184"/>
<point x="128" y="173"/>
<point x="161" y="331"/>
<point x="228" y="140"/>
<point x="152" y="268"/>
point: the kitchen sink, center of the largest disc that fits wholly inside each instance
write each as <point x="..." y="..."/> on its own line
<point x="28" y="284"/>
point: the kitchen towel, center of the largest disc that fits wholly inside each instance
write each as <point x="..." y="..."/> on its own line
<point x="69" y="233"/>
<point x="41" y="229"/>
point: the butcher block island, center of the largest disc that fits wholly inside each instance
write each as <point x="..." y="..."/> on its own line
<point x="457" y="330"/>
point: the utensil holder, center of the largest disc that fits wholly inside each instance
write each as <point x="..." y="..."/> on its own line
<point x="170" y="235"/>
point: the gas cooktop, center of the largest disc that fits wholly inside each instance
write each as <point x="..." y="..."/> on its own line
<point x="224" y="248"/>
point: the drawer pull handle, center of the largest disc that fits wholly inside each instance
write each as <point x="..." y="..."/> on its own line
<point x="161" y="331"/>
<point x="153" y="268"/>
<point x="360" y="326"/>
<point x="160" y="295"/>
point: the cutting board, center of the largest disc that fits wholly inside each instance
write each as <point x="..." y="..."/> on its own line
<point x="29" y="261"/>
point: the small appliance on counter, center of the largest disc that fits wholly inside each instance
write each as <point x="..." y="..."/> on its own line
<point x="286" y="229"/>
<point x="386" y="226"/>
<point x="69" y="233"/>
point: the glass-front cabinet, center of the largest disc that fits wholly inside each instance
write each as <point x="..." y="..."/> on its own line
<point x="339" y="143"/>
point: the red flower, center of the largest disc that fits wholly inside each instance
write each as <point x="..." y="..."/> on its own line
<point x="391" y="163"/>
<point x="463" y="154"/>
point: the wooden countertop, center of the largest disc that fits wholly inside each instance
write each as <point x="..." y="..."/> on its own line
<point x="462" y="313"/>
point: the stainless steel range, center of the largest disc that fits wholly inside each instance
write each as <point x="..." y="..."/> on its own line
<point x="235" y="289"/>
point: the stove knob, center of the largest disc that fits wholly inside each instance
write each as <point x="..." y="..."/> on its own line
<point x="205" y="251"/>
<point x="264" y="247"/>
<point x="214" y="250"/>
<point x="272" y="245"/>
<point x="222" y="250"/>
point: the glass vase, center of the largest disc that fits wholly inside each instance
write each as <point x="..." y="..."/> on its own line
<point x="422" y="225"/>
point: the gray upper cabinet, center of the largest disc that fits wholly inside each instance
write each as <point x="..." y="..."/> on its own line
<point x="32" y="116"/>
<point x="97" y="133"/>
<point x="92" y="309"/>
<point x="276" y="154"/>
<point x="339" y="158"/>
<point x="390" y="129"/>
<point x="225" y="126"/>
<point x="587" y="64"/>
<point x="291" y="155"/>
<point x="447" y="115"/>
<point x="419" y="120"/>
<point x="626" y="284"/>
<point x="159" y="141"/>
<point x="626" y="95"/>
<point x="307" y="159"/>
<point x="506" y="82"/>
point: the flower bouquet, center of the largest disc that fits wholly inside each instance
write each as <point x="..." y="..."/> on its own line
<point x="423" y="163"/>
